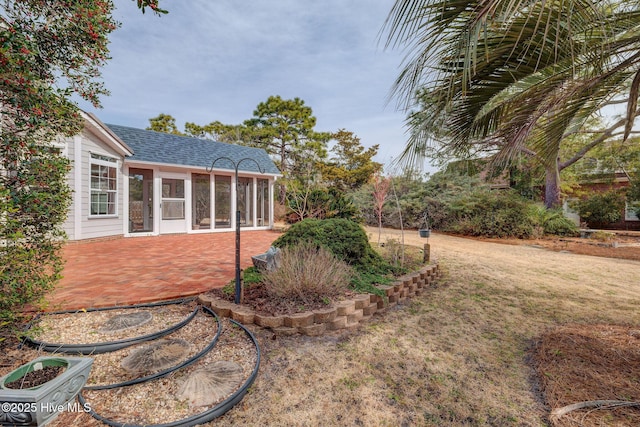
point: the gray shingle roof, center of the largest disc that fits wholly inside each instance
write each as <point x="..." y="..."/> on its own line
<point x="164" y="148"/>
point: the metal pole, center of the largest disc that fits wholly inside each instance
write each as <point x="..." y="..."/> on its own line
<point x="238" y="285"/>
<point x="236" y="166"/>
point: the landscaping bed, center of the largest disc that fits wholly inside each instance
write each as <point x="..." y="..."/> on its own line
<point x="347" y="313"/>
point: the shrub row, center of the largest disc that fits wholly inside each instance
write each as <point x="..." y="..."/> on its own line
<point x="462" y="204"/>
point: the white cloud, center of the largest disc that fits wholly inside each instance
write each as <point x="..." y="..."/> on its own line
<point x="216" y="60"/>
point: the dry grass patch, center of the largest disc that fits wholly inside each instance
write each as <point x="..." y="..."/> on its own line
<point x="458" y="355"/>
<point x="308" y="274"/>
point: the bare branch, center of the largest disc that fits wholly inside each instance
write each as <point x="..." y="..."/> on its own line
<point x="606" y="134"/>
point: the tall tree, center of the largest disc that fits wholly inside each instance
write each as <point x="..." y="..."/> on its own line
<point x="351" y="165"/>
<point x="49" y="50"/>
<point x="284" y="126"/>
<point x="217" y="131"/>
<point x="285" y="129"/>
<point x="510" y="77"/>
<point x="165" y="123"/>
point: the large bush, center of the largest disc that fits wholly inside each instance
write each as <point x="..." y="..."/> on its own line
<point x="411" y="198"/>
<point x="34" y="201"/>
<point x="50" y="51"/>
<point x="601" y="209"/>
<point x="320" y="203"/>
<point x="488" y="213"/>
<point x="459" y="203"/>
<point x="343" y="238"/>
<point x="552" y="221"/>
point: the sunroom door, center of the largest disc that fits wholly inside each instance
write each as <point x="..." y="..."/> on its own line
<point x="140" y="200"/>
<point x="172" y="205"/>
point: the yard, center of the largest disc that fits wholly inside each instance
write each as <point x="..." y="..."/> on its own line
<point x="461" y="354"/>
<point x="481" y="348"/>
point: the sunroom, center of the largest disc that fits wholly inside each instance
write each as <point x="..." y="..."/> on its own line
<point x="133" y="182"/>
<point x="180" y="184"/>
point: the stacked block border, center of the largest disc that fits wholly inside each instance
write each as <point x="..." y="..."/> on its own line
<point x="344" y="315"/>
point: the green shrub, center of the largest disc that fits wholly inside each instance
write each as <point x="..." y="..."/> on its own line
<point x="602" y="208"/>
<point x="34" y="199"/>
<point x="552" y="221"/>
<point x="308" y="274"/>
<point x="345" y="239"/>
<point x="492" y="214"/>
<point x="321" y="203"/>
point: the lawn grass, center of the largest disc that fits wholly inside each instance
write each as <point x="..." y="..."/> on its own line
<point x="457" y="355"/>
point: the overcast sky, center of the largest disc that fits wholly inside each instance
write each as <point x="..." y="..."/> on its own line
<point x="218" y="59"/>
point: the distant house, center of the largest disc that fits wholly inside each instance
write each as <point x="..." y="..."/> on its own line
<point x="602" y="181"/>
<point x="131" y="182"/>
<point x="594" y="178"/>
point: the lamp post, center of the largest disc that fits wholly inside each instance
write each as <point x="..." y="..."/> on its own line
<point x="235" y="166"/>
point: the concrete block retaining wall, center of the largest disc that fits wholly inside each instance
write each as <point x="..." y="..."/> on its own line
<point x="348" y="314"/>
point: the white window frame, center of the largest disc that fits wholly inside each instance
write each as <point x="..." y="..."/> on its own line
<point x="629" y="213"/>
<point x="112" y="194"/>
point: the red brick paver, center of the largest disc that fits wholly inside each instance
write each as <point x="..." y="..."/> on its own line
<point x="144" y="269"/>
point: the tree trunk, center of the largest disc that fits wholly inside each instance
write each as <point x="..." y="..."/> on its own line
<point x="552" y="186"/>
<point x="282" y="193"/>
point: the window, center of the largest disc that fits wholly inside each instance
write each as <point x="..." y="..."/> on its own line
<point x="223" y="201"/>
<point x="104" y="185"/>
<point x="631" y="211"/>
<point x="245" y="201"/>
<point x="263" y="202"/>
<point x="172" y="198"/>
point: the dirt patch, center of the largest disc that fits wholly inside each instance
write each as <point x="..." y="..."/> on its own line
<point x="35" y="378"/>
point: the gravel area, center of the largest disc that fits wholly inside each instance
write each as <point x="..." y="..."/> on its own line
<point x="154" y="401"/>
<point x="88" y="327"/>
<point x="107" y="367"/>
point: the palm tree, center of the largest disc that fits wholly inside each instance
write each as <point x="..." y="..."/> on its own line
<point x="511" y="77"/>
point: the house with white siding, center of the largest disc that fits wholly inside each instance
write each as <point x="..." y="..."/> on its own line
<point x="133" y="182"/>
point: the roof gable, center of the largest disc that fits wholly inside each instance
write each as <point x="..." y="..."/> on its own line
<point x="93" y="124"/>
<point x="163" y="148"/>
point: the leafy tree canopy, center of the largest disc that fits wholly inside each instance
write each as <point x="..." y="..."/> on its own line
<point x="351" y="165"/>
<point x="504" y="77"/>
<point x="284" y="127"/>
<point x="165" y="123"/>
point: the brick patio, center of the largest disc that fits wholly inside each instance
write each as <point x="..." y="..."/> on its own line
<point x="144" y="269"/>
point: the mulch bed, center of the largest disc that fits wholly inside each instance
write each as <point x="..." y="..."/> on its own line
<point x="259" y="300"/>
<point x="587" y="363"/>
